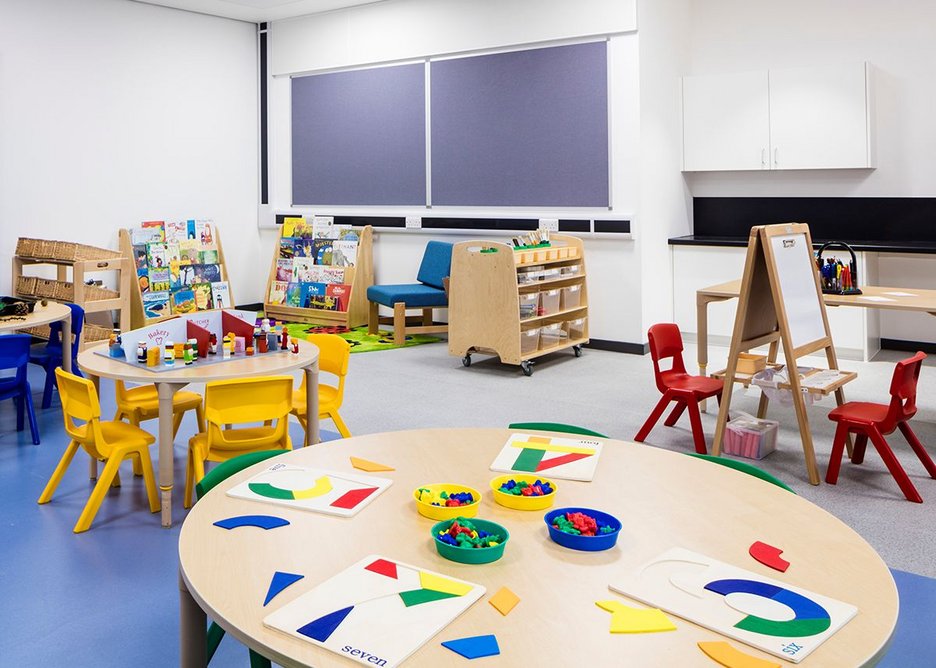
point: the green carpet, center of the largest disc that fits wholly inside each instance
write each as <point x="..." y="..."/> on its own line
<point x="360" y="340"/>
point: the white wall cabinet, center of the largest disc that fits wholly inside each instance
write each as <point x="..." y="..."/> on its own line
<point x="802" y="118"/>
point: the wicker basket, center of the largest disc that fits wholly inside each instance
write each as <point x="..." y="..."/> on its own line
<point x="46" y="287"/>
<point x="26" y="285"/>
<point x="92" y="333"/>
<point x="97" y="293"/>
<point x="70" y="251"/>
<point x="26" y="247"/>
<point x="40" y="332"/>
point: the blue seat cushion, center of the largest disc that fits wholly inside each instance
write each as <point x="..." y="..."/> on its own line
<point x="414" y="295"/>
<point x="436" y="264"/>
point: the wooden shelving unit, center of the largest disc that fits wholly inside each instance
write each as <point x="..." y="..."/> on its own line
<point x="79" y="261"/>
<point x="359" y="277"/>
<point x="485" y="294"/>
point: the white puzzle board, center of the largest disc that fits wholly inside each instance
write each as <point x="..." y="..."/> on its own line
<point x="318" y="490"/>
<point x="795" y="267"/>
<point x="377" y="612"/>
<point x="772" y="616"/>
<point x="549" y="456"/>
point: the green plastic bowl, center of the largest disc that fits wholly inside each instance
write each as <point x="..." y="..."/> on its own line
<point x="471" y="555"/>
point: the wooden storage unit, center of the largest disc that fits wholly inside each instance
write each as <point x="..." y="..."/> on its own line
<point x="485" y="297"/>
<point x="359" y="277"/>
<point x="83" y="261"/>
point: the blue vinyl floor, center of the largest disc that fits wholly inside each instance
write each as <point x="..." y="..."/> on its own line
<point x="109" y="597"/>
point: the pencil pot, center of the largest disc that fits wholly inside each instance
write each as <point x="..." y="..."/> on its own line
<point x="837" y="277"/>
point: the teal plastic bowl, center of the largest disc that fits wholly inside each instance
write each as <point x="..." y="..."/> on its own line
<point x="471" y="555"/>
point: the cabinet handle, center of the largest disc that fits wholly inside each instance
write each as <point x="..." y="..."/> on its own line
<point x="775" y="157"/>
<point x="763" y="157"/>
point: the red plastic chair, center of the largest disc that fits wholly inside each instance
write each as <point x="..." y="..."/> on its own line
<point x="677" y="385"/>
<point x="875" y="421"/>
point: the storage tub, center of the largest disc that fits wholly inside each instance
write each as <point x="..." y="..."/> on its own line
<point x="529" y="341"/>
<point x="747" y="436"/>
<point x="570" y="271"/>
<point x="550" y="274"/>
<point x="571" y="297"/>
<point x="576" y="328"/>
<point x="549" y="302"/>
<point x="529" y="304"/>
<point x="551" y="335"/>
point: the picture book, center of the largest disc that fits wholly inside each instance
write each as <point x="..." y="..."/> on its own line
<point x="190" y="230"/>
<point x="204" y="232"/>
<point x="778" y="618"/>
<point x="322" y="303"/>
<point x="188" y="251"/>
<point x="156" y="255"/>
<point x="344" y="252"/>
<point x="287" y="248"/>
<point x="207" y="273"/>
<point x="293" y="294"/>
<point x="338" y="231"/>
<point x="302" y="269"/>
<point x="303" y="247"/>
<point x="289" y="225"/>
<point x="183" y="301"/>
<point x="158" y="229"/>
<point x="140" y="236"/>
<point x="203" y="296"/>
<point x="284" y="270"/>
<point x="318" y="490"/>
<point x="323" y="251"/>
<point x="376" y="612"/>
<point x="139" y="256"/>
<point x="156" y="304"/>
<point x="221" y="294"/>
<point x="176" y="230"/>
<point x="311" y="291"/>
<point x="187" y="274"/>
<point x="341" y="294"/>
<point x="554" y="457"/>
<point x="322" y="227"/>
<point x="172" y="252"/>
<point x="175" y="275"/>
<point x="278" y="292"/>
<point x="159" y="279"/>
<point x="208" y="257"/>
<point x="143" y="279"/>
<point x="348" y="234"/>
<point x="331" y="274"/>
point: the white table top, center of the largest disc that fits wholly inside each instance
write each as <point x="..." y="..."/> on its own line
<point x="41" y="315"/>
<point x="664" y="499"/>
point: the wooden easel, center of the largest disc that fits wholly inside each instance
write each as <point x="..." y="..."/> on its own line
<point x="781" y="303"/>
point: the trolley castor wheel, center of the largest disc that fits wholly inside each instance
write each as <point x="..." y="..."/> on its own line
<point x="466" y="360"/>
<point x="527" y="367"/>
<point x="577" y="350"/>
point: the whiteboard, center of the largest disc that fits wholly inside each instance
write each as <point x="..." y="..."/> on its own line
<point x="793" y="260"/>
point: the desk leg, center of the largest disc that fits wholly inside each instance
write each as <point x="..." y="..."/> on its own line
<point x="192" y="630"/>
<point x="96" y="381"/>
<point x="312" y="403"/>
<point x="166" y="392"/>
<point x="66" y="343"/>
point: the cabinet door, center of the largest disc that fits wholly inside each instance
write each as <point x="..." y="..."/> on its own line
<point x="819" y="117"/>
<point x="725" y="122"/>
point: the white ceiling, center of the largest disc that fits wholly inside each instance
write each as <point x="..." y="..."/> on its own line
<point x="257" y="11"/>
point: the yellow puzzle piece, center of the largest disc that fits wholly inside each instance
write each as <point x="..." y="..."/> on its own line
<point x="730" y="657"/>
<point x="504" y="600"/>
<point x="366" y="465"/>
<point x="625" y="619"/>
<point x="443" y="584"/>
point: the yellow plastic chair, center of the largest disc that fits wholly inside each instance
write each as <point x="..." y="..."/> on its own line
<point x="334" y="353"/>
<point x="111" y="442"/>
<point x="242" y="401"/>
<point x="141" y="403"/>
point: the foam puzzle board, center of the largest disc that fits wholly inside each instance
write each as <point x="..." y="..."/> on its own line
<point x="377" y="612"/>
<point x="321" y="491"/>
<point x="772" y="616"/>
<point x="553" y="457"/>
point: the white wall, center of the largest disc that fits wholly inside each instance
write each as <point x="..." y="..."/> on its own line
<point x="114" y="112"/>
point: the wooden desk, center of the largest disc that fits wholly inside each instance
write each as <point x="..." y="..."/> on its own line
<point x="169" y="382"/>
<point x="43" y="315"/>
<point x="664" y="499"/>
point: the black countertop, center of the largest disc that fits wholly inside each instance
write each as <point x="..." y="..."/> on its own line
<point x="866" y="246"/>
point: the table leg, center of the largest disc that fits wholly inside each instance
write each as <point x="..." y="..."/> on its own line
<point x="67" y="343"/>
<point x="192" y="624"/>
<point x="166" y="391"/>
<point x="96" y="381"/>
<point x="702" y="303"/>
<point x="312" y="403"/>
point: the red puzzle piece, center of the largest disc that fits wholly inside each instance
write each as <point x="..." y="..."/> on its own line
<point x="768" y="555"/>
<point x="383" y="567"/>
<point x="352" y="498"/>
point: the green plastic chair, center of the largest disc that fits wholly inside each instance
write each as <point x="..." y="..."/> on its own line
<point x="556" y="426"/>
<point x="744" y="467"/>
<point x="215" y="476"/>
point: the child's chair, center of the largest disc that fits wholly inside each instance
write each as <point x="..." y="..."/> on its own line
<point x="266" y="400"/>
<point x="138" y="404"/>
<point x="429" y="293"/>
<point x="49" y="355"/>
<point x="556" y="426"/>
<point x="677" y="385"/>
<point x="14" y="354"/>
<point x="334" y="354"/>
<point x="875" y="421"/>
<point x="111" y="442"/>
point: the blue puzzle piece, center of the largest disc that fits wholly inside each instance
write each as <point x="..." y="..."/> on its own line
<point x="279" y="582"/>
<point x="262" y="521"/>
<point x="474" y="647"/>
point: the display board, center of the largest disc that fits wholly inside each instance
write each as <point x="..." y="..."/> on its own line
<point x="803" y="304"/>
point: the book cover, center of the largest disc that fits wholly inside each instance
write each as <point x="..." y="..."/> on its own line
<point x="341" y="293"/>
<point x="203" y="297"/>
<point x="159" y="279"/>
<point x="207" y="257"/>
<point x="290" y="223"/>
<point x="278" y="292"/>
<point x="207" y="273"/>
<point x="293" y="294"/>
<point x="338" y="231"/>
<point x="157" y="229"/>
<point x="348" y="234"/>
<point x="331" y="274"/>
<point x="323" y="251"/>
<point x="156" y="255"/>
<point x="322" y="227"/>
<point x="188" y="251"/>
<point x="344" y="252"/>
<point x="221" y="294"/>
<point x="187" y="274"/>
<point x="302" y="269"/>
<point x="156" y="304"/>
<point x="173" y="253"/>
<point x="303" y="247"/>
<point x="204" y="232"/>
<point x="190" y="230"/>
<point x="312" y="293"/>
<point x="139" y="256"/>
<point x="302" y="230"/>
<point x="140" y="236"/>
<point x="176" y="230"/>
<point x="175" y="275"/>
<point x="284" y="270"/>
<point x="183" y="301"/>
<point x="287" y="249"/>
<point x="143" y="279"/>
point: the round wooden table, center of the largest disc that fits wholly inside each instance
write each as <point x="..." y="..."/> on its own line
<point x="664" y="499"/>
<point x="43" y="315"/>
<point x="169" y="382"/>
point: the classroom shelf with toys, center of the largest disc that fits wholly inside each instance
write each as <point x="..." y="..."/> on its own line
<point x="320" y="273"/>
<point x="84" y="262"/>
<point x="180" y="269"/>
<point x="518" y="303"/>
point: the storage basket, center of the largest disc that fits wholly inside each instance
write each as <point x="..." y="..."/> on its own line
<point x="576" y="328"/>
<point x="529" y="341"/>
<point x="551" y="335"/>
<point x="46" y="287"/>
<point x="91" y="332"/>
<point x="26" y="285"/>
<point x="549" y="302"/>
<point x="571" y="297"/>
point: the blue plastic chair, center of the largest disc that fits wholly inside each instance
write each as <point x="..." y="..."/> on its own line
<point x="14" y="354"/>
<point x="49" y="355"/>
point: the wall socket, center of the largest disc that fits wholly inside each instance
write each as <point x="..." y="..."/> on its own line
<point x="549" y="224"/>
<point x="413" y="222"/>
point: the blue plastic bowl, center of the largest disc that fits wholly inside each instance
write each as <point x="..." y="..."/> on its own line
<point x="585" y="543"/>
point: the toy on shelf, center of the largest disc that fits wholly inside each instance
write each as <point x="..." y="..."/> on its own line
<point x="835" y="276"/>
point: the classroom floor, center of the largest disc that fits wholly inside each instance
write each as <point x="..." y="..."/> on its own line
<point x="109" y="597"/>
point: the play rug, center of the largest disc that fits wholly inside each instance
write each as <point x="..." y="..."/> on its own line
<point x="360" y="340"/>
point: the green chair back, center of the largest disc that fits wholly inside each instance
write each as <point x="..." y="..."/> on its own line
<point x="556" y="426"/>
<point x="226" y="469"/>
<point x="744" y="467"/>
